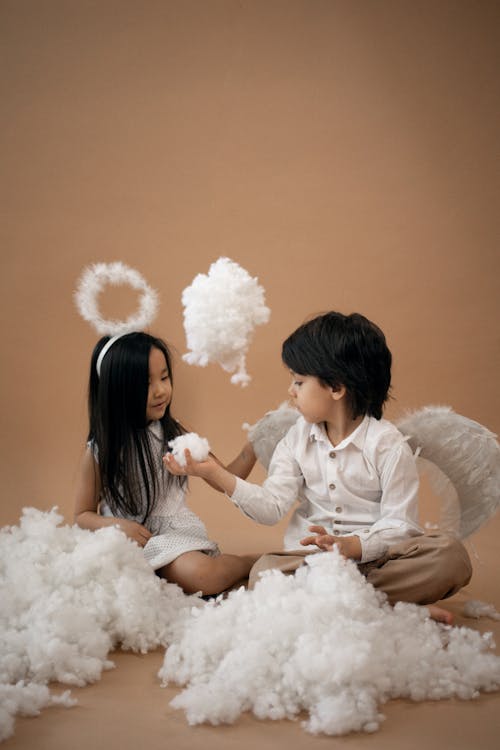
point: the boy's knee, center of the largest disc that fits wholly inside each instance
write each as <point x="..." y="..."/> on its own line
<point x="285" y="562"/>
<point x="453" y="563"/>
<point x="423" y="570"/>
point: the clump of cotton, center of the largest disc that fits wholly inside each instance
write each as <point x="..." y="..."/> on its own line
<point x="325" y="642"/>
<point x="196" y="445"/>
<point x="476" y="609"/>
<point x="69" y="597"/>
<point x="221" y="310"/>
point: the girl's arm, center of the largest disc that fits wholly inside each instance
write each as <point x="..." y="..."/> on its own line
<point x="244" y="462"/>
<point x="241" y="466"/>
<point x="88" y="490"/>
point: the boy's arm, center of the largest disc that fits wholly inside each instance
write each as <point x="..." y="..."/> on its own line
<point x="265" y="504"/>
<point x="241" y="466"/>
<point x="398" y="519"/>
<point x="398" y="510"/>
<point x="211" y="470"/>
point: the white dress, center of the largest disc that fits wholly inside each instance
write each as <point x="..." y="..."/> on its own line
<point x="175" y="528"/>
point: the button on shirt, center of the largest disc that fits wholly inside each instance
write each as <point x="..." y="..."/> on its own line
<point x="366" y="485"/>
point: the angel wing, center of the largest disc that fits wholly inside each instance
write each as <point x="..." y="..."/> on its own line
<point x="462" y="460"/>
<point x="460" y="457"/>
<point x="268" y="431"/>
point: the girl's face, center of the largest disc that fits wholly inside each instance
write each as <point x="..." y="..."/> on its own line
<point x="160" y="386"/>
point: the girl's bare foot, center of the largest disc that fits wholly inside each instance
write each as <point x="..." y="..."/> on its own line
<point x="440" y="615"/>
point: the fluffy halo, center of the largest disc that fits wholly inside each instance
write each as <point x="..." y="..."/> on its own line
<point x="92" y="282"/>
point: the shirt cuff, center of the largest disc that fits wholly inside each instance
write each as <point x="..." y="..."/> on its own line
<point x="372" y="547"/>
<point x="238" y="495"/>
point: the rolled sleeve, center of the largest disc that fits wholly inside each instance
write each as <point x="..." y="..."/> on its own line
<point x="267" y="504"/>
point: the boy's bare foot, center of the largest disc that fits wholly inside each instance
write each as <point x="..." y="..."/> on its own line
<point x="439" y="614"/>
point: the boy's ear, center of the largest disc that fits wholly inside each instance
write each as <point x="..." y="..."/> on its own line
<point x="338" y="392"/>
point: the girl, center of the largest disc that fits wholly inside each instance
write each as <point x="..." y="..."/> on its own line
<point x="122" y="480"/>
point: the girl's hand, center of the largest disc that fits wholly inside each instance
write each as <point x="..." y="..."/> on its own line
<point x="134" y="531"/>
<point x="192" y="468"/>
<point x="348" y="546"/>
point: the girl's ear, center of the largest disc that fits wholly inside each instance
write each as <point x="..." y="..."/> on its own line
<point x="338" y="392"/>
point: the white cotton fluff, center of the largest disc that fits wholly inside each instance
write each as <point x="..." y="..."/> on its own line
<point x="476" y="609"/>
<point x="196" y="445"/>
<point x="69" y="597"/>
<point x="92" y="282"/>
<point x="325" y="642"/>
<point x="221" y="310"/>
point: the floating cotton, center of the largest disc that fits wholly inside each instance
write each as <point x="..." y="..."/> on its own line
<point x="69" y="597"/>
<point x="196" y="445"/>
<point x="325" y="642"/>
<point x="221" y="310"/>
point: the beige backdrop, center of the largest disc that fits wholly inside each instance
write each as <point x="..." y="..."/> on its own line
<point x="343" y="152"/>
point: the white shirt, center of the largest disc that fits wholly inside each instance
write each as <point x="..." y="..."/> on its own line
<point x="367" y="485"/>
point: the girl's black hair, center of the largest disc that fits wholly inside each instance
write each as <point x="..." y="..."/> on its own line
<point x="346" y="350"/>
<point x="117" y="400"/>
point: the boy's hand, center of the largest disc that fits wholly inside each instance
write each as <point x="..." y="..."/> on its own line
<point x="348" y="546"/>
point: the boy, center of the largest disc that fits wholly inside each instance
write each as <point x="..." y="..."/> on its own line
<point x="351" y="470"/>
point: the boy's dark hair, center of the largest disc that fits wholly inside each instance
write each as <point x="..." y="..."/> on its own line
<point x="117" y="400"/>
<point x="346" y="350"/>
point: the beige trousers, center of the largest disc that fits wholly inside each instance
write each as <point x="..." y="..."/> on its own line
<point x="422" y="570"/>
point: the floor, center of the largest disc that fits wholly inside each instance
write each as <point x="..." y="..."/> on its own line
<point x="128" y="708"/>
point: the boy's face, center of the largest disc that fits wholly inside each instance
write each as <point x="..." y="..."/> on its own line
<point x="315" y="401"/>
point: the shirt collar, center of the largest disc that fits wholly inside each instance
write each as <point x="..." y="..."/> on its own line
<point x="357" y="438"/>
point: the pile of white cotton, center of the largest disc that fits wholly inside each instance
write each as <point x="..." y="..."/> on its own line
<point x="325" y="642"/>
<point x="191" y="441"/>
<point x="221" y="310"/>
<point x="69" y="597"/>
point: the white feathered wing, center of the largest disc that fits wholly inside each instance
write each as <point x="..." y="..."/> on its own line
<point x="462" y="460"/>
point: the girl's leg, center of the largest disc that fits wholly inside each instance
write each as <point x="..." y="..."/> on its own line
<point x="196" y="571"/>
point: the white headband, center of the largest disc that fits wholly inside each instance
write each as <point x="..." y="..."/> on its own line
<point x="105" y="349"/>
